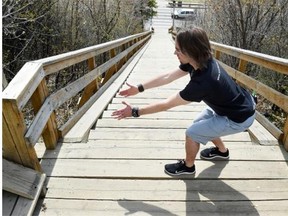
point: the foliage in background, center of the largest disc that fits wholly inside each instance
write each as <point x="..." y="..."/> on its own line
<point x="34" y="29"/>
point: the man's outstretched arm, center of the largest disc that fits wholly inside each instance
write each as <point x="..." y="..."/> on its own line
<point x="173" y="101"/>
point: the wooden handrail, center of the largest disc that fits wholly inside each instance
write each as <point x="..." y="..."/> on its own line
<point x="30" y="85"/>
<point x="177" y="4"/>
<point x="273" y="63"/>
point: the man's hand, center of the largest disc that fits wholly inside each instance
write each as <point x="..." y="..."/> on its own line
<point x="132" y="90"/>
<point x="123" y="113"/>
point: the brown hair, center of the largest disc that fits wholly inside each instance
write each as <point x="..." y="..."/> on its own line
<point x="194" y="42"/>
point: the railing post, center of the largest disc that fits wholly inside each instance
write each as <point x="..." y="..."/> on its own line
<point x="111" y="70"/>
<point x="15" y="147"/>
<point x="138" y="47"/>
<point x="131" y="52"/>
<point x="242" y="68"/>
<point x="124" y="60"/>
<point x="242" y="65"/>
<point x="92" y="87"/>
<point x="50" y="132"/>
<point x="217" y="54"/>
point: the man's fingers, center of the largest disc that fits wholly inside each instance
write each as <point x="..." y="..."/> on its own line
<point x="122" y="113"/>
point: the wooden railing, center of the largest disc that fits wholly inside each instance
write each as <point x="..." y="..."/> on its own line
<point x="273" y="63"/>
<point x="29" y="85"/>
<point x="180" y="4"/>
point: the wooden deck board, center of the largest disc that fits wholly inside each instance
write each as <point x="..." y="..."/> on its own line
<point x="170" y="208"/>
<point x="166" y="190"/>
<point x="154" y="169"/>
<point x="152" y="134"/>
<point x="160" y="150"/>
<point x="13" y="204"/>
<point x="8" y="200"/>
<point x="20" y="180"/>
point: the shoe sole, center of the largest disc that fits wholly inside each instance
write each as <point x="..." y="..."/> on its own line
<point x="177" y="174"/>
<point x="216" y="157"/>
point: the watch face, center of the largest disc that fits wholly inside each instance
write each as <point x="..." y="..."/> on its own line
<point x="135" y="112"/>
<point x="140" y="88"/>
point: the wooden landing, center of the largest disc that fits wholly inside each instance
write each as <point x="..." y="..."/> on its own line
<point x="120" y="170"/>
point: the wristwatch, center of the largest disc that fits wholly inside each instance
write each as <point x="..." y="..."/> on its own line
<point x="135" y="112"/>
<point x="140" y="88"/>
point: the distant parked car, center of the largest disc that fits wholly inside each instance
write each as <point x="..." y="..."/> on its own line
<point x="183" y="13"/>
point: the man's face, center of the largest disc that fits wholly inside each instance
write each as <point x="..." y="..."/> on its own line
<point x="181" y="56"/>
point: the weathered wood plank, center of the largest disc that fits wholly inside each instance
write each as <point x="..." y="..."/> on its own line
<point x="164" y="190"/>
<point x="8" y="202"/>
<point x="124" y="207"/>
<point x="144" y="123"/>
<point x="261" y="135"/>
<point x="24" y="84"/>
<point x="9" y="147"/>
<point x="25" y="207"/>
<point x="161" y="150"/>
<point x="20" y="180"/>
<point x="271" y="62"/>
<point x="276" y="132"/>
<point x="152" y="134"/>
<point x="50" y="132"/>
<point x="154" y="169"/>
<point x="14" y="135"/>
<point x="90" y="89"/>
<point x="25" y="182"/>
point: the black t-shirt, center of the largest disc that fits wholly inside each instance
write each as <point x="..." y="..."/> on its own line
<point x="217" y="89"/>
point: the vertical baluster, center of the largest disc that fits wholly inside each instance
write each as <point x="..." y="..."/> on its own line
<point x="50" y="132"/>
<point x="217" y="54"/>
<point x="242" y="65"/>
<point x="92" y="87"/>
<point x="112" y="69"/>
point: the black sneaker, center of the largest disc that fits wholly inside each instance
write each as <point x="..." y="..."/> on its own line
<point x="179" y="168"/>
<point x="214" y="153"/>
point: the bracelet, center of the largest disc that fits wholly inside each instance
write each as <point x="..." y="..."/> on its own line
<point x="140" y="88"/>
<point x="135" y="112"/>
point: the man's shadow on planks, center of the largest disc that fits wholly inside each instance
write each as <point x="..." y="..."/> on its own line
<point x="205" y="195"/>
